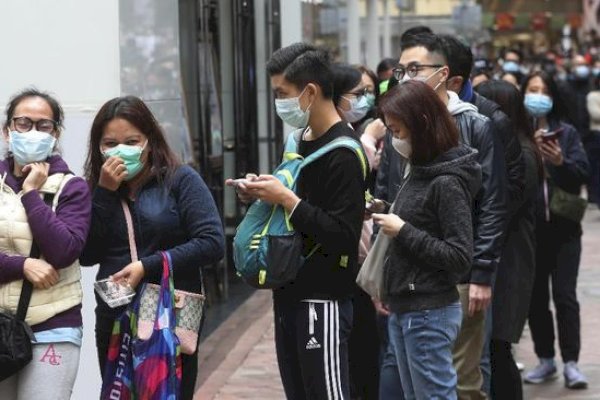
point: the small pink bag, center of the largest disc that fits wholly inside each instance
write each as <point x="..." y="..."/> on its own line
<point x="189" y="307"/>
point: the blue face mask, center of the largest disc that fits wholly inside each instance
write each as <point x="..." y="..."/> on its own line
<point x="538" y="105"/>
<point x="370" y="99"/>
<point x="596" y="72"/>
<point x="131" y="156"/>
<point x="291" y="113"/>
<point x="511" y="66"/>
<point x="30" y="147"/>
<point x="582" y="71"/>
<point x="359" y="107"/>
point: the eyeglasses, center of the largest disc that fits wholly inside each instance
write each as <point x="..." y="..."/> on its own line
<point x="25" y="124"/>
<point x="412" y="70"/>
<point x="362" y="92"/>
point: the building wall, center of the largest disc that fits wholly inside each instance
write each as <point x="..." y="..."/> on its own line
<point x="71" y="49"/>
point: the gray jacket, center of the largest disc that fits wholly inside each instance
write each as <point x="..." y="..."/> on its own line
<point x="434" y="248"/>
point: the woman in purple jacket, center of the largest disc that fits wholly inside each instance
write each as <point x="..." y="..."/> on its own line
<point x="42" y="202"/>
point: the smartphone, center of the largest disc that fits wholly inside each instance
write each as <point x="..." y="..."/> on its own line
<point x="548" y="136"/>
<point x="370" y="204"/>
<point x="240" y="181"/>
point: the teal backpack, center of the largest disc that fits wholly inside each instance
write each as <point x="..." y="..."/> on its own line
<point x="267" y="251"/>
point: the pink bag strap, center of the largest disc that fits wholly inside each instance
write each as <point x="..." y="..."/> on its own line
<point x="130" y="231"/>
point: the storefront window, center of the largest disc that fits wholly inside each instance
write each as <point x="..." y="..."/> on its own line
<point x="324" y="24"/>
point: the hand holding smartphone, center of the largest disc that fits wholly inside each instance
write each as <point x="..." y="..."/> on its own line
<point x="548" y="136"/>
<point x="375" y="206"/>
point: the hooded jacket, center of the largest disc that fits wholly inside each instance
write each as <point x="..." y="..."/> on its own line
<point x="489" y="210"/>
<point x="434" y="248"/>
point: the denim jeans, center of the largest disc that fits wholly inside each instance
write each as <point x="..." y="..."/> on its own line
<point x="421" y="342"/>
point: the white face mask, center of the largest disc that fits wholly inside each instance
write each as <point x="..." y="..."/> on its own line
<point x="425" y="79"/>
<point x="402" y="146"/>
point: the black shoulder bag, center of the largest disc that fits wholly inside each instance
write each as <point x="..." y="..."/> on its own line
<point x="15" y="335"/>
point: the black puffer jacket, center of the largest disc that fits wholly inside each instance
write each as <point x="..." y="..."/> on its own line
<point x="434" y="248"/>
<point x="515" y="166"/>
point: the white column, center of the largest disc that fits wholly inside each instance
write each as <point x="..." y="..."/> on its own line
<point x="387" y="34"/>
<point x="291" y="22"/>
<point x="353" y="32"/>
<point x="372" y="34"/>
<point x="227" y="101"/>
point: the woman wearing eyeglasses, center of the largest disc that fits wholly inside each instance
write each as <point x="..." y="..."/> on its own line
<point x="42" y="202"/>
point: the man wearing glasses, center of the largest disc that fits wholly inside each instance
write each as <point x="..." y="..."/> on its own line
<point x="423" y="58"/>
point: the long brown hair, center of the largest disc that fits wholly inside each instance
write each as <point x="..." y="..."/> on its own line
<point x="418" y="107"/>
<point x="133" y="110"/>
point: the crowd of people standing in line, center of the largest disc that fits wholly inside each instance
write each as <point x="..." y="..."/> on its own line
<point x="477" y="184"/>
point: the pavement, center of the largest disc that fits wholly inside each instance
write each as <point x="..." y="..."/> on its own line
<point x="238" y="360"/>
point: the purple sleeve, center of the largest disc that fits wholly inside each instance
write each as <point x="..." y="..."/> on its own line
<point x="11" y="267"/>
<point x="61" y="235"/>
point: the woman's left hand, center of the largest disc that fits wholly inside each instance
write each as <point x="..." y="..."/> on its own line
<point x="131" y="274"/>
<point x="390" y="223"/>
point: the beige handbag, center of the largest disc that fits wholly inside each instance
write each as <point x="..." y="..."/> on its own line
<point x="371" y="274"/>
<point x="189" y="307"/>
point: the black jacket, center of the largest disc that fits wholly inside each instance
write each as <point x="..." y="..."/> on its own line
<point x="570" y="176"/>
<point x="489" y="210"/>
<point x="434" y="248"/>
<point x="503" y="127"/>
<point x="331" y="214"/>
<point x="516" y="272"/>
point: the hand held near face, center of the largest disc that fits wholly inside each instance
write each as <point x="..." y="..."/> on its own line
<point x="123" y="164"/>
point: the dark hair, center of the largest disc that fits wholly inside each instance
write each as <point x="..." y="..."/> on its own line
<point x="386" y="64"/>
<point x="415" y="30"/>
<point x="345" y="78"/>
<point x="459" y="56"/>
<point x="433" y="44"/>
<point x="301" y="64"/>
<point x="510" y="100"/>
<point x="419" y="108"/>
<point x="366" y="70"/>
<point x="57" y="112"/>
<point x="132" y="109"/>
<point x="519" y="53"/>
<point x="558" y="111"/>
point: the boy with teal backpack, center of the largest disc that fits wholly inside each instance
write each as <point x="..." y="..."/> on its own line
<point x="323" y="203"/>
<point x="266" y="235"/>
